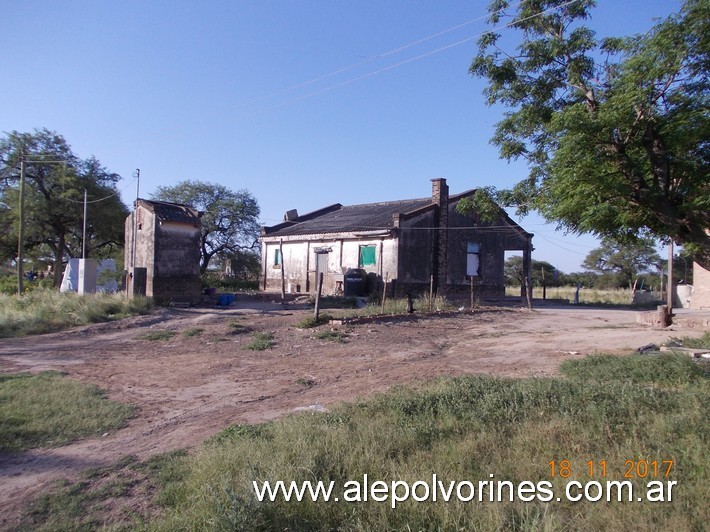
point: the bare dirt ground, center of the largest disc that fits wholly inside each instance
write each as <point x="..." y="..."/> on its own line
<point x="188" y="388"/>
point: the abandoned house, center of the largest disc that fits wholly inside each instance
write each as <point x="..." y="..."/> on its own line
<point x="410" y="244"/>
<point x="162" y="252"/>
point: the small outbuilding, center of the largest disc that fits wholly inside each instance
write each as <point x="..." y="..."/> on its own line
<point x="410" y="244"/>
<point x="162" y="252"/>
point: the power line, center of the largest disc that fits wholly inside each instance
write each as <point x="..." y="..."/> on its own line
<point x="401" y="63"/>
<point x="382" y="55"/>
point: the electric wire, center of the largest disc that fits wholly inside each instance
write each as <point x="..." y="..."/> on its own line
<point x="404" y="62"/>
<point x="382" y="55"/>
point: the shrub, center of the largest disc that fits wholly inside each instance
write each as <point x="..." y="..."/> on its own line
<point x="261" y="342"/>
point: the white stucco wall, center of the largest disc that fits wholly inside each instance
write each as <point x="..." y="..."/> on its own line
<point x="299" y="260"/>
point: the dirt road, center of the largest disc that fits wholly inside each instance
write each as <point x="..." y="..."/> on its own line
<point x="188" y="388"/>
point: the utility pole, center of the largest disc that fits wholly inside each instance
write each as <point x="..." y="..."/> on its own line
<point x="21" y="238"/>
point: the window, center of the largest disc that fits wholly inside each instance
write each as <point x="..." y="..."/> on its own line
<point x="473" y="262"/>
<point x="367" y="255"/>
<point x="278" y="259"/>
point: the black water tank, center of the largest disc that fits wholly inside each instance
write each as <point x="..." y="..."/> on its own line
<point x="354" y="283"/>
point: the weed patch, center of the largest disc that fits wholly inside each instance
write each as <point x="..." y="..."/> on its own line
<point x="261" y="342"/>
<point x="156" y="336"/>
<point x="193" y="331"/>
<point x="311" y="322"/>
<point x="238" y="328"/>
<point x="333" y="336"/>
<point x="694" y="343"/>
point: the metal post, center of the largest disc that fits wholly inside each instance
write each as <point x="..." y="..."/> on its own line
<point x="316" y="311"/>
<point x="21" y="238"/>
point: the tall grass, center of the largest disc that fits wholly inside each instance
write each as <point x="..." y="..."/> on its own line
<point x="397" y="305"/>
<point x="605" y="408"/>
<point x="616" y="296"/>
<point x="49" y="409"/>
<point x="42" y="311"/>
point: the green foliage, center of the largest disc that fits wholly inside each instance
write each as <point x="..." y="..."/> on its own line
<point x="624" y="260"/>
<point x="311" y="321"/>
<point x="695" y="343"/>
<point x="158" y="336"/>
<point x="542" y="273"/>
<point x="606" y="408"/>
<point x="227" y="283"/>
<point x="40" y="311"/>
<point x="669" y="370"/>
<point x="192" y="331"/>
<point x="333" y="336"/>
<point x="481" y="206"/>
<point x="230" y="223"/>
<point x="238" y="328"/>
<point x="8" y="284"/>
<point x="615" y="131"/>
<point x="261" y="342"/>
<point x="54" y="194"/>
<point x="48" y="409"/>
<point x="105" y="497"/>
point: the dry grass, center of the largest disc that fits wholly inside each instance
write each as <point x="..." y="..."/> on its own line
<point x="589" y="296"/>
<point x="43" y="311"/>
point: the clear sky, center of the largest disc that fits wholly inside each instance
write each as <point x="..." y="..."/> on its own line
<point x="304" y="103"/>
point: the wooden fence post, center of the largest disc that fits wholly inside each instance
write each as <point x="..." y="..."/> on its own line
<point x="320" y="288"/>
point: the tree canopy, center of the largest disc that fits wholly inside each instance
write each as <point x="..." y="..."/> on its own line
<point x="55" y="181"/>
<point x="615" y="131"/>
<point x="623" y="261"/>
<point x="543" y="273"/>
<point x="230" y="222"/>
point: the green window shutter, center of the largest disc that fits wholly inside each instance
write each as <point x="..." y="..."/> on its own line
<point x="277" y="258"/>
<point x="367" y="255"/>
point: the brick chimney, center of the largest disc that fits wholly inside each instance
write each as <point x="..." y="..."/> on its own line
<point x="440" y="197"/>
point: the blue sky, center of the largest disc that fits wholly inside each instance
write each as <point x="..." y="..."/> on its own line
<point x="304" y="103"/>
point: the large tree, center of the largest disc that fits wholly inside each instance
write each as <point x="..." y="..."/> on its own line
<point x="230" y="221"/>
<point x="55" y="181"/>
<point x="624" y="261"/>
<point x="543" y="273"/>
<point x="615" y="131"/>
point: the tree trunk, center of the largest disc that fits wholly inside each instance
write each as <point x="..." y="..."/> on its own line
<point x="58" y="261"/>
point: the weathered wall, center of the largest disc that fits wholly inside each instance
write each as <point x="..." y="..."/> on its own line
<point x="300" y="262"/>
<point x="170" y="252"/>
<point x="417" y="241"/>
<point x="494" y="240"/>
<point x="700" y="298"/>
<point x="176" y="270"/>
<point x="145" y="245"/>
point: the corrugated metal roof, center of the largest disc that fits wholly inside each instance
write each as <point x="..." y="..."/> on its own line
<point x="349" y="218"/>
